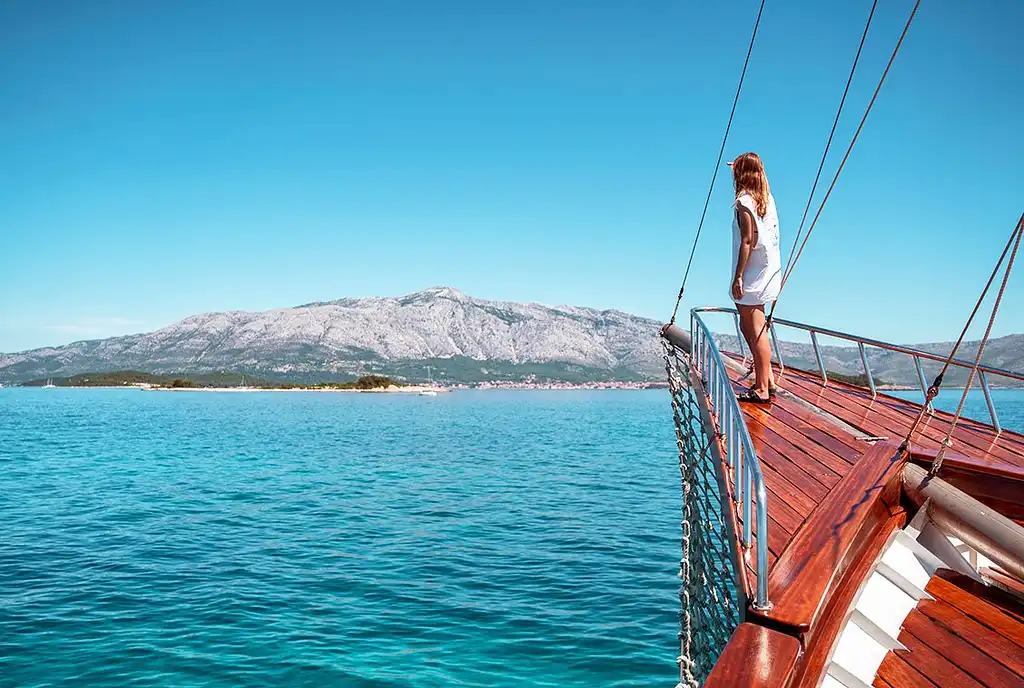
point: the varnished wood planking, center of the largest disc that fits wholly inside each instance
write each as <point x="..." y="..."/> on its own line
<point x="834" y="466"/>
<point x="962" y="654"/>
<point x="811" y="665"/>
<point x="999" y="648"/>
<point x="1008" y="604"/>
<point x="863" y="416"/>
<point x="818" y="552"/>
<point x="756" y="657"/>
<point x="1001" y="578"/>
<point x="971" y="437"/>
<point x="897" y="673"/>
<point x="984" y="466"/>
<point x="983" y="638"/>
<point x="806" y="422"/>
<point x="975" y="437"/>
<point x="998" y="485"/>
<point x="782" y="513"/>
<point x="789" y="467"/>
<point x="977" y="607"/>
<point x="802" y="453"/>
<point x="787" y="443"/>
<point x="871" y="417"/>
<point x="792" y="494"/>
<point x="934" y="666"/>
<point x="841" y="443"/>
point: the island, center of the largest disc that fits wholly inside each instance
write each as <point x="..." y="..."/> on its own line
<point x="234" y="382"/>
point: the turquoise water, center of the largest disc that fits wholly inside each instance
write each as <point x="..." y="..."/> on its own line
<point x="472" y="539"/>
<point x="1009" y="405"/>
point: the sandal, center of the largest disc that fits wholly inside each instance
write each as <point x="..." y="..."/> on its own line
<point x="752" y="397"/>
<point x="772" y="391"/>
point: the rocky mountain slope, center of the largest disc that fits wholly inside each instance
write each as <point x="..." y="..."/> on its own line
<point x="461" y="339"/>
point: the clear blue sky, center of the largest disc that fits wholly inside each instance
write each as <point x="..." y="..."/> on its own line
<point x="163" y="159"/>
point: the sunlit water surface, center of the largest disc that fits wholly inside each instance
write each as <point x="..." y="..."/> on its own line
<point x="470" y="539"/>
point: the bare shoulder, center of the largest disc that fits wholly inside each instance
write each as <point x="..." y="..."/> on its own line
<point x="743" y="210"/>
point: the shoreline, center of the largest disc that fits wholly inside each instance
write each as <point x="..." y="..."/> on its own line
<point x="486" y="386"/>
<point x="388" y="390"/>
<point x="411" y="389"/>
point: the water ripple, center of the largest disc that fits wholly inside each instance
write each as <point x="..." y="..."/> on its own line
<point x="474" y="539"/>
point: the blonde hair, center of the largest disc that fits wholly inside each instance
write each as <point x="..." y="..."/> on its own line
<point x="749" y="177"/>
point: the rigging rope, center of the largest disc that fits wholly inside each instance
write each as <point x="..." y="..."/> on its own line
<point x="831" y="135"/>
<point x="933" y="390"/>
<point x="937" y="464"/>
<point x="791" y="265"/>
<point x="721" y="152"/>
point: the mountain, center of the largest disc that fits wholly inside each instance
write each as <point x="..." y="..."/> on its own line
<point x="461" y="339"/>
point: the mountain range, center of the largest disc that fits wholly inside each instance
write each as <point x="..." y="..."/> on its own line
<point x="438" y="332"/>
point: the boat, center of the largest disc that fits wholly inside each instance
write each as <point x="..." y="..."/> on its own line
<point x="822" y="554"/>
<point x="839" y="535"/>
<point x="430" y="383"/>
<point x="49" y="384"/>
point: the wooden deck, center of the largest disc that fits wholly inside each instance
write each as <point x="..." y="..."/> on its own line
<point x="804" y="453"/>
<point x="828" y="457"/>
<point x="969" y="635"/>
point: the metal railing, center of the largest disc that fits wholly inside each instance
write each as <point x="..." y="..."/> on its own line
<point x="749" y="491"/>
<point x="916" y="354"/>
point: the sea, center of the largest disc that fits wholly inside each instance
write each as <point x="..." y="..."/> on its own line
<point x="488" y="538"/>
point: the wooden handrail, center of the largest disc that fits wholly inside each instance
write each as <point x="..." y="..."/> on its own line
<point x="816" y="557"/>
<point x="953" y="460"/>
<point x="756" y="657"/>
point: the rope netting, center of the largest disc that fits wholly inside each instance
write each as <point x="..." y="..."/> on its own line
<point x="709" y="611"/>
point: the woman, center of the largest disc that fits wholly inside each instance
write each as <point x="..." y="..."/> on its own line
<point x="758" y="267"/>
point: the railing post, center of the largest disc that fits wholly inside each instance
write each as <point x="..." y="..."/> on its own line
<point x="748" y="498"/>
<point x="737" y="474"/>
<point x="778" y="349"/>
<point x="761" y="599"/>
<point x="739" y="336"/>
<point x="732" y="439"/>
<point x="920" y="378"/>
<point x="988" y="400"/>
<point x="712" y="387"/>
<point x="725" y="428"/>
<point x="705" y="355"/>
<point x="693" y="334"/>
<point x="700" y="354"/>
<point x="817" y="355"/>
<point x="716" y="389"/>
<point x="719" y="396"/>
<point x="867" y="369"/>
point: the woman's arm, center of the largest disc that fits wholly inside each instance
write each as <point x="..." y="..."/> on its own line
<point x="746" y="223"/>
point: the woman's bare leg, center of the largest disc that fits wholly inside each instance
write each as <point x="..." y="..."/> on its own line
<point x="746" y="329"/>
<point x="752" y="321"/>
<point x="749" y="335"/>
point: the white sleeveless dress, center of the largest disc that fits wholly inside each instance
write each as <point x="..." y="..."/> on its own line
<point x="762" y="277"/>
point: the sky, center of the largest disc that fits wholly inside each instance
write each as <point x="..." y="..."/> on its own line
<point x="163" y="159"/>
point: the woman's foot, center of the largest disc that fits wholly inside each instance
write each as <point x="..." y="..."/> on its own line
<point x="751" y="396"/>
